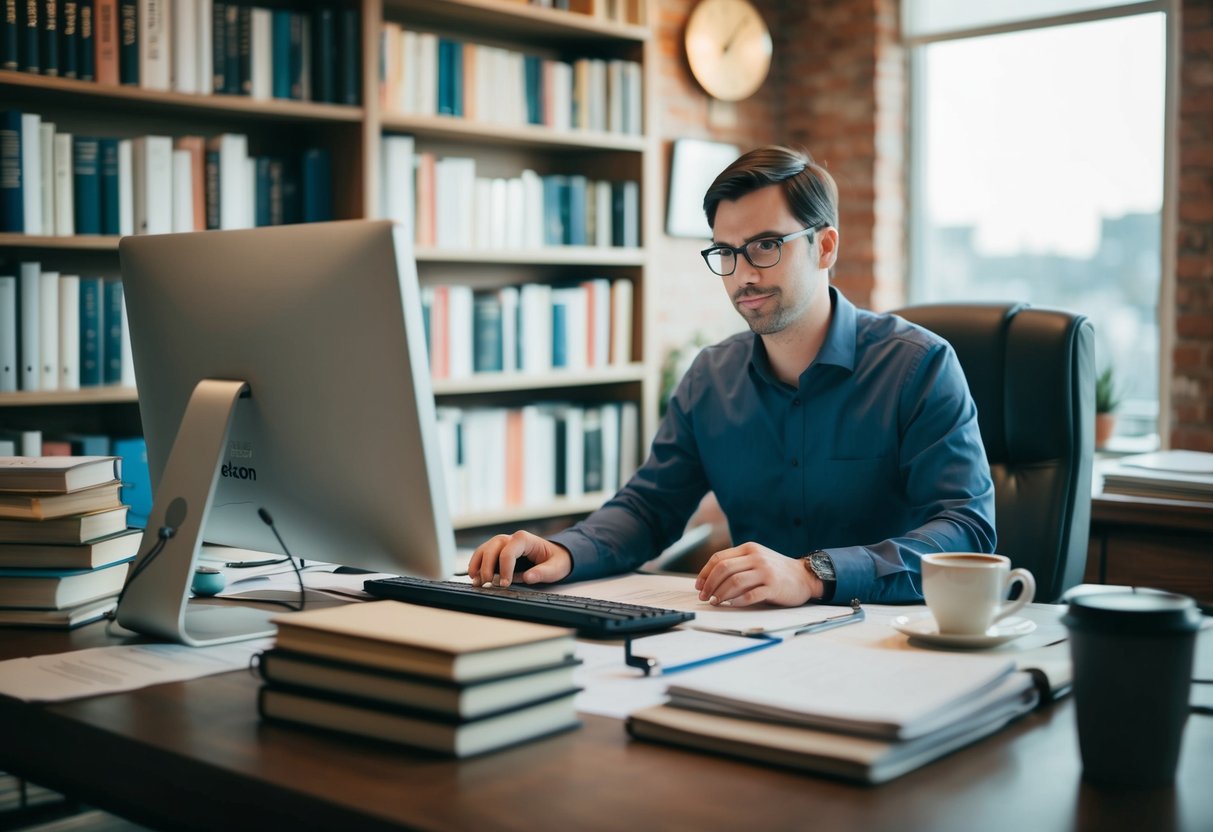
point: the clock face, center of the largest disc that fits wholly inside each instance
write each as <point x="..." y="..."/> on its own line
<point x="729" y="48"/>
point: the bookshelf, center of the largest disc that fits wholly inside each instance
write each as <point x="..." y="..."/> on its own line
<point x="604" y="31"/>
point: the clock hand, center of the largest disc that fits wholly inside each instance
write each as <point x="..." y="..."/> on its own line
<point x="728" y="43"/>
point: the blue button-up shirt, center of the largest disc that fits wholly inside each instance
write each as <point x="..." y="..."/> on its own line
<point x="875" y="457"/>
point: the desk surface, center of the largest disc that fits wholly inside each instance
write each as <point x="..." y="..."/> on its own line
<point x="194" y="755"/>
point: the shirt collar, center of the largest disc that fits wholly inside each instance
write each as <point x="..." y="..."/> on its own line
<point x="837" y="349"/>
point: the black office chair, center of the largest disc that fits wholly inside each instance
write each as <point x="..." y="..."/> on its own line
<point x="1032" y="375"/>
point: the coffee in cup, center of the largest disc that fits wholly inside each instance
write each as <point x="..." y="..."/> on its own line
<point x="967" y="592"/>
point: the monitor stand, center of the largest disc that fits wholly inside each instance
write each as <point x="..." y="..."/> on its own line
<point x="156" y="599"/>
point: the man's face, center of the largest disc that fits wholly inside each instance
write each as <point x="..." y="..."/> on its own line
<point x="769" y="299"/>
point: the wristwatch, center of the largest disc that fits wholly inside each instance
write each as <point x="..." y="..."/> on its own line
<point x="819" y="564"/>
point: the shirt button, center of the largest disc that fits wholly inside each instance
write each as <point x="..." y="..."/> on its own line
<point x="796" y="402"/>
<point x="795" y="463"/>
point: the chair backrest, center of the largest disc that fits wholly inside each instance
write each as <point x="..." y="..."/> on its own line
<point x="1032" y="375"/>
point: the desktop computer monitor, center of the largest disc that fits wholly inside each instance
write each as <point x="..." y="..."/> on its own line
<point x="282" y="368"/>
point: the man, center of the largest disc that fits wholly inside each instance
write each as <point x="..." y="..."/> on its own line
<point x="841" y="445"/>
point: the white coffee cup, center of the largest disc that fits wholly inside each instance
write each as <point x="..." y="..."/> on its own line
<point x="966" y="592"/>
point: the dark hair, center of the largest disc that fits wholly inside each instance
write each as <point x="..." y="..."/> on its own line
<point x="810" y="190"/>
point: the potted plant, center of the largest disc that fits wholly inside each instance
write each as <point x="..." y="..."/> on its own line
<point x="1107" y="398"/>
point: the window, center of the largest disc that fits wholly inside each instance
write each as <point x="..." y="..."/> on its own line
<point x="1037" y="174"/>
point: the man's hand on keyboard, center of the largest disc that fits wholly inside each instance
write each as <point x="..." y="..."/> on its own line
<point x="494" y="560"/>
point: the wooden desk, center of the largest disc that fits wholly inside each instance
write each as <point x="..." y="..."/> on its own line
<point x="194" y="755"/>
<point x="1145" y="541"/>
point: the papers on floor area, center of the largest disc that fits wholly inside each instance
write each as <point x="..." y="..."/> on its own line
<point x="62" y="676"/>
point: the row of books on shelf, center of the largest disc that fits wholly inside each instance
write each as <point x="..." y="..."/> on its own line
<point x="449" y="205"/>
<point x="619" y="11"/>
<point x="426" y="74"/>
<point x="189" y="46"/>
<point x="532" y="328"/>
<point x="449" y="682"/>
<point x="495" y="458"/>
<point x="59" y="184"/>
<point x="65" y="545"/>
<point x="62" y="331"/>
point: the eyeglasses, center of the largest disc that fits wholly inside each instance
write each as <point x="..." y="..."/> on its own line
<point x="762" y="253"/>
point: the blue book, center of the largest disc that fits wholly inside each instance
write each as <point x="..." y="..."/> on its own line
<point x="89" y="444"/>
<point x="560" y="333"/>
<point x="488" y="350"/>
<point x="69" y="36"/>
<point x="349" y="76"/>
<point x="324" y="57"/>
<point x="575" y="228"/>
<point x="280" y="36"/>
<point x="108" y="173"/>
<point x="231" y="49"/>
<point x="555" y="208"/>
<point x="128" y="42"/>
<point x="218" y="48"/>
<point x="533" y="71"/>
<point x="86" y="45"/>
<point x="28" y="42"/>
<point x="317" y="202"/>
<point x="10" y="30"/>
<point x="446" y="83"/>
<point x="86" y="184"/>
<point x="261" y="191"/>
<point x="136" y="479"/>
<point x="111" y="332"/>
<point x="50" y="36"/>
<point x="92" y="296"/>
<point x="457" y="78"/>
<point x="12" y="194"/>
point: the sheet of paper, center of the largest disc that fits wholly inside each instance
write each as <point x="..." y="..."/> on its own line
<point x="62" y="676"/>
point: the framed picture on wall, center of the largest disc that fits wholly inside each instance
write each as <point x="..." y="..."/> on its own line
<point x="693" y="166"/>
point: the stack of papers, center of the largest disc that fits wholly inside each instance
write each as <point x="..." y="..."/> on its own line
<point x="1181" y="475"/>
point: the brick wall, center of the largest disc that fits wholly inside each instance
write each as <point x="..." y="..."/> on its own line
<point x="1192" y="376"/>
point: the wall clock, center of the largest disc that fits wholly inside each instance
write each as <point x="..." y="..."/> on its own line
<point x="729" y="48"/>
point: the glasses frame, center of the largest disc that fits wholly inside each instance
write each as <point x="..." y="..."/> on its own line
<point x="779" y="241"/>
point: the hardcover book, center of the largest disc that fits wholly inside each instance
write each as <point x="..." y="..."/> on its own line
<point x="41" y="506"/>
<point x="77" y="528"/>
<point x="96" y="553"/>
<point x="58" y="588"/>
<point x="56" y="474"/>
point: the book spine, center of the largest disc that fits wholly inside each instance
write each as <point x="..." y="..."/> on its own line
<point x="48" y="331"/>
<point x="106" y="35"/>
<point x="324" y="57"/>
<point x="231" y="49"/>
<point x="219" y="47"/>
<point x="107" y="184"/>
<point x="10" y="32"/>
<point x="212" y="189"/>
<point x="29" y="295"/>
<point x="317" y="185"/>
<point x="12" y="196"/>
<point x="91" y="355"/>
<point x="154" y="35"/>
<point x="296" y="56"/>
<point x="349" y="57"/>
<point x="281" y="38"/>
<point x="126" y="188"/>
<point x="69" y="36"/>
<point x="46" y="178"/>
<point x="184" y="45"/>
<point x="65" y="209"/>
<point x="262" y="57"/>
<point x="86" y="54"/>
<point x="261" y="211"/>
<point x="49" y="15"/>
<point x="8" y="334"/>
<point x="31" y="173"/>
<point x="244" y="50"/>
<point x="69" y="332"/>
<point x="128" y="42"/>
<point x="111" y="334"/>
<point x="31" y="35"/>
<point x="86" y="185"/>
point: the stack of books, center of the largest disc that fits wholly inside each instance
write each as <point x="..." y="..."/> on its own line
<point x="444" y="681"/>
<point x="1168" y="475"/>
<point x="865" y="714"/>
<point x="64" y="544"/>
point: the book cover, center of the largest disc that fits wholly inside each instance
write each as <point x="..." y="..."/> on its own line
<point x="69" y="37"/>
<point x="155" y="66"/>
<point x="108" y="186"/>
<point x="46" y="179"/>
<point x="218" y="48"/>
<point x="37" y="506"/>
<point x="58" y="588"/>
<point x="113" y="347"/>
<point x="48" y="331"/>
<point x="183" y="190"/>
<point x="324" y="55"/>
<point x="8" y="334"/>
<point x="204" y="46"/>
<point x="69" y="332"/>
<point x="30" y="38"/>
<point x="56" y="475"/>
<point x="63" y="186"/>
<point x="10" y="30"/>
<point x="462" y="701"/>
<point x="317" y="185"/>
<point x="31" y="173"/>
<point x="419" y="729"/>
<point x="128" y="42"/>
<point x="78" y="528"/>
<point x="29" y="322"/>
<point x="126" y="186"/>
<point x="96" y="553"/>
<point x="427" y="641"/>
<point x="85" y="49"/>
<point x="90" y="362"/>
<point x="195" y="146"/>
<point x="244" y="49"/>
<point x="349" y="56"/>
<point x="261" y="63"/>
<point x="65" y="619"/>
<point x="152" y="184"/>
<point x="488" y="355"/>
<point x="136" y="479"/>
<point x="183" y="46"/>
<point x="280" y="41"/>
<point x="107" y="41"/>
<point x="12" y="179"/>
<point x="49" y="19"/>
<point x="86" y="184"/>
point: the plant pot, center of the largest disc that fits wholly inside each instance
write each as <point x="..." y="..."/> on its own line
<point x="1105" y="424"/>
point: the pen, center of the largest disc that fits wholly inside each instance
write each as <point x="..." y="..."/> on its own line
<point x="853" y="617"/>
<point x="648" y="665"/>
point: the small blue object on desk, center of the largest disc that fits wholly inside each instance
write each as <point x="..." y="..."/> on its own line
<point x="208" y="581"/>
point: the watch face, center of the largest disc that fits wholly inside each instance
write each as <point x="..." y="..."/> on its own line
<point x="729" y="48"/>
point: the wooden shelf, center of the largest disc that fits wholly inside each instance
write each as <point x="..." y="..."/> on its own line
<point x="516" y="20"/>
<point x="135" y="99"/>
<point x="521" y="514"/>
<point x="85" y="396"/>
<point x="551" y="256"/>
<point x="510" y="382"/>
<point x="79" y="242"/>
<point x="517" y="135"/>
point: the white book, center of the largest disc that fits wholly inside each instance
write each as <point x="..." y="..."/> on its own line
<point x="29" y="349"/>
<point x="535" y="328"/>
<point x="531" y="214"/>
<point x="8" y="334"/>
<point x="633" y="89"/>
<point x="250" y="191"/>
<point x="615" y="96"/>
<point x="126" y="188"/>
<point x="484" y="443"/>
<point x="234" y="199"/>
<point x="427" y="74"/>
<point x="598" y="94"/>
<point x="562" y="95"/>
<point x="631" y="213"/>
<point x="31" y="172"/>
<point x="453" y="471"/>
<point x="410" y="87"/>
<point x="629" y="440"/>
<point x="65" y="204"/>
<point x="185" y="46"/>
<point x="69" y="332"/>
<point x="539" y="459"/>
<point x="128" y="361"/>
<point x="262" y="53"/>
<point x="621" y="321"/>
<point x="459" y="305"/>
<point x="484" y="229"/>
<point x="183" y="191"/>
<point x="155" y="37"/>
<point x="604" y="216"/>
<point x="152" y="184"/>
<point x="509" y="328"/>
<point x="610" y="447"/>
<point x="48" y="331"/>
<point x="574" y="451"/>
<point x="398" y="188"/>
<point x="31" y="443"/>
<point x="47" y="180"/>
<point x="515" y="208"/>
<point x="203" y="44"/>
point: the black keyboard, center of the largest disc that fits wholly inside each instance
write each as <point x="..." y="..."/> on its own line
<point x="591" y="617"/>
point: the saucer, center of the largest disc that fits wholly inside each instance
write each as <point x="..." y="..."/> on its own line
<point x="922" y="627"/>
